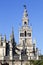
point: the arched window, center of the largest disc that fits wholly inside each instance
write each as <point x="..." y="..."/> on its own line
<point x="7" y="49"/>
<point x="25" y="23"/>
<point x="25" y="33"/>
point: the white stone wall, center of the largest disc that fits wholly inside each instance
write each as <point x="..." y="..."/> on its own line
<point x="1" y="53"/>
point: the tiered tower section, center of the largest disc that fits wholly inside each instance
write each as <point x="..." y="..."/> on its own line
<point x="25" y="33"/>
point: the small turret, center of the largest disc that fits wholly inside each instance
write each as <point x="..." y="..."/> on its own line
<point x="4" y="45"/>
<point x="34" y="47"/>
<point x="1" y="40"/>
<point x="12" y="33"/>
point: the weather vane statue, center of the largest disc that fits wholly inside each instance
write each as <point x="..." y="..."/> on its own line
<point x="25" y="6"/>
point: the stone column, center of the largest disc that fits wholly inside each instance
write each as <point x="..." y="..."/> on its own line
<point x="20" y="56"/>
<point x="10" y="51"/>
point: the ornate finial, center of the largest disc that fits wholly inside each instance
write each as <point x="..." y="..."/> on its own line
<point x="12" y="32"/>
<point x="4" y="38"/>
<point x="0" y="38"/>
<point x="34" y="42"/>
<point x="12" y="36"/>
<point x="34" y="46"/>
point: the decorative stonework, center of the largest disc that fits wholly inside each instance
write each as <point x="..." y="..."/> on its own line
<point x="19" y="54"/>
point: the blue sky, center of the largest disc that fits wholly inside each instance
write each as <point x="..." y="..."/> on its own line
<point x="11" y="12"/>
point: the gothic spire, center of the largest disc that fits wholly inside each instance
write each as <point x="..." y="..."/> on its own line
<point x="12" y="32"/>
<point x="4" y="38"/>
<point x="25" y="16"/>
<point x="12" y="36"/>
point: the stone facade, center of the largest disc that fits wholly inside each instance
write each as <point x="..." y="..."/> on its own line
<point x="19" y="54"/>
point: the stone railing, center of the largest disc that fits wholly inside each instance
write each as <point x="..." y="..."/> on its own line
<point x="23" y="57"/>
<point x="33" y="58"/>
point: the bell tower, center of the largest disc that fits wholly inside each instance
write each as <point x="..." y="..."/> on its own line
<point x="25" y="32"/>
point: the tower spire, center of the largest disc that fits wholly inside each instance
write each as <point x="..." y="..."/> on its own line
<point x="25" y="11"/>
<point x="25" y="16"/>
<point x="12" y="32"/>
<point x="12" y="36"/>
<point x="12" y="39"/>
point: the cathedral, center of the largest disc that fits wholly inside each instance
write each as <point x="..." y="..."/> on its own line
<point x="12" y="53"/>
